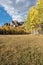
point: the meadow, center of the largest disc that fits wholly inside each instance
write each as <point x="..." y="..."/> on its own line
<point x="21" y="49"/>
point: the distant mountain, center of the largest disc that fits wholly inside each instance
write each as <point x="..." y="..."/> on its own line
<point x="15" y="23"/>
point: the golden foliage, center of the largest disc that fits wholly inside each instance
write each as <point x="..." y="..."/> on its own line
<point x="35" y="16"/>
<point x="6" y="28"/>
<point x="33" y="13"/>
<point x="9" y="30"/>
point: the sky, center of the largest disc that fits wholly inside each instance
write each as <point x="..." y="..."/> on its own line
<point x="14" y="10"/>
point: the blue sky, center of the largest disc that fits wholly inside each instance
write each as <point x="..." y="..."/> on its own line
<point x="14" y="10"/>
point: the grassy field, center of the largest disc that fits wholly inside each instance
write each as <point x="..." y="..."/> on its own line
<point x="21" y="49"/>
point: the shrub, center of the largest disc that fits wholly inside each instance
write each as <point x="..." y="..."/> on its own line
<point x="9" y="30"/>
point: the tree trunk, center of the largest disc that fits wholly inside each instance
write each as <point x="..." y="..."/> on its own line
<point x="34" y="31"/>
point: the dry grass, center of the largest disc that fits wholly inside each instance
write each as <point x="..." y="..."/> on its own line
<point x="21" y="49"/>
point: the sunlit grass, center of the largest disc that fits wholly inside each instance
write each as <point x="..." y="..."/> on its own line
<point x="21" y="49"/>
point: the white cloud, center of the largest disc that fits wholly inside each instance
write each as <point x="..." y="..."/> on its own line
<point x="19" y="1"/>
<point x="7" y="7"/>
<point x="13" y="6"/>
<point x="10" y="9"/>
<point x="17" y="17"/>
